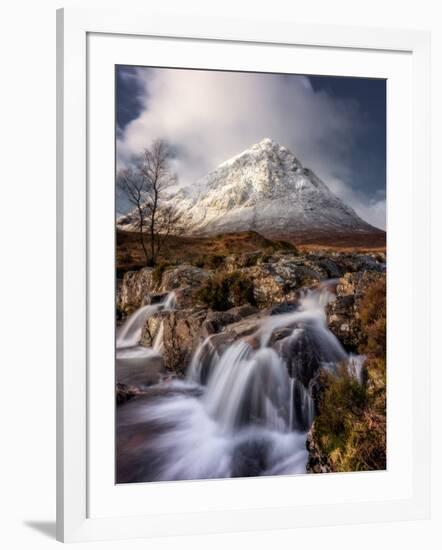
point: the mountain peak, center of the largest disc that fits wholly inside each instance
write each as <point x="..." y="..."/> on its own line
<point x="265" y="189"/>
<point x="266" y="150"/>
<point x="267" y="143"/>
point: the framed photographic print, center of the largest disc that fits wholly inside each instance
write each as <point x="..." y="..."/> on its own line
<point x="241" y="213"/>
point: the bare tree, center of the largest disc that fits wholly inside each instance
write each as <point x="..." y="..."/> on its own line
<point x="145" y="188"/>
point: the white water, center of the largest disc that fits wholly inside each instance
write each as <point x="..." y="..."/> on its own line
<point x="158" y="344"/>
<point x="129" y="334"/>
<point x="239" y="414"/>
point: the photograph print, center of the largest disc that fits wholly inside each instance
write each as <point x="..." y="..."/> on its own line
<point x="250" y="231"/>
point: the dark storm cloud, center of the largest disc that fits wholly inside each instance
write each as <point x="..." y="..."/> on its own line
<point x="131" y="97"/>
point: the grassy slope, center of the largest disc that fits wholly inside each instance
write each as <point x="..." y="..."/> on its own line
<point x="191" y="249"/>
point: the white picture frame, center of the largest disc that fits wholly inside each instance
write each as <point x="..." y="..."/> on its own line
<point x="81" y="513"/>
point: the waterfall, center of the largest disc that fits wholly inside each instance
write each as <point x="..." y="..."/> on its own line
<point x="355" y="366"/>
<point x="129" y="334"/>
<point x="306" y="406"/>
<point x="136" y="364"/>
<point x="292" y="403"/>
<point x="203" y="362"/>
<point x="239" y="412"/>
<point x="248" y="386"/>
<point x="158" y="344"/>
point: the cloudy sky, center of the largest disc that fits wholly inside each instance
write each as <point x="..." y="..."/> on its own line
<point x="335" y="126"/>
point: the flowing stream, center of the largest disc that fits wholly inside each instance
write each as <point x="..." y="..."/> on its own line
<point x="243" y="413"/>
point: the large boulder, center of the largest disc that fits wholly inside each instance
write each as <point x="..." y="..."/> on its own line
<point x="145" y="286"/>
<point x="331" y="268"/>
<point x="182" y="276"/>
<point x="244" y="322"/>
<point x="280" y="281"/>
<point x="352" y="263"/>
<point x="180" y="336"/>
<point x="135" y="288"/>
<point x="183" y="331"/>
<point x="300" y="355"/>
<point x="343" y="312"/>
<point x="217" y="321"/>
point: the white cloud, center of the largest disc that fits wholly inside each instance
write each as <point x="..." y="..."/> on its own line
<point x="211" y="116"/>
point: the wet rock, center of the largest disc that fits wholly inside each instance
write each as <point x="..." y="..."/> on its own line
<point x="278" y="335"/>
<point x="251" y="458"/>
<point x="210" y="352"/>
<point x="343" y="316"/>
<point x="183" y="297"/>
<point x="216" y="321"/>
<point x="184" y="330"/>
<point x="181" y="335"/>
<point x="124" y="392"/>
<point x="352" y="263"/>
<point x="300" y="354"/>
<point x="245" y="327"/>
<point x="139" y="370"/>
<point x="157" y="298"/>
<point x="332" y="269"/>
<point x="285" y="307"/>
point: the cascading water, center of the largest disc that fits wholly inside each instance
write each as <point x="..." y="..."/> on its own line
<point x="129" y="334"/>
<point x="244" y="412"/>
<point x="128" y="350"/>
<point x="248" y="387"/>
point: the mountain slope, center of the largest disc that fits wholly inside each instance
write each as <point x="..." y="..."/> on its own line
<point x="267" y="190"/>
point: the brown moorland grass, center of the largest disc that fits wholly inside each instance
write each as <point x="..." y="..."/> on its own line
<point x="350" y="429"/>
<point x="195" y="250"/>
<point x="210" y="251"/>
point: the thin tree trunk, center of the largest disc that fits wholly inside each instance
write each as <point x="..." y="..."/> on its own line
<point x="141" y="234"/>
<point x="152" y="228"/>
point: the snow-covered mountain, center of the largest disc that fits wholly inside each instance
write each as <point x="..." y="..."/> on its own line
<point x="264" y="189"/>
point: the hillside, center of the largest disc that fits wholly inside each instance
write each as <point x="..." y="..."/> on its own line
<point x="129" y="254"/>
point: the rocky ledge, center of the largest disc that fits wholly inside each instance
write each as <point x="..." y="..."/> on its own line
<point x="343" y="312"/>
<point x="276" y="278"/>
<point x="277" y="281"/>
